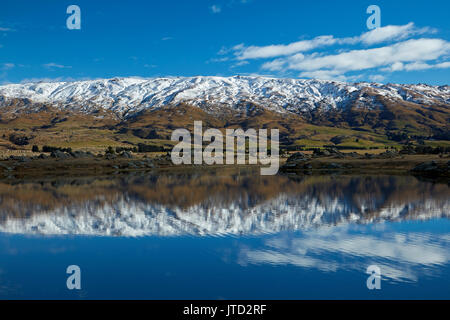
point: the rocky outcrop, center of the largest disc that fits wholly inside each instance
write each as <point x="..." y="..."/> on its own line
<point x="59" y="155"/>
<point x="297" y="160"/>
<point x="432" y="168"/>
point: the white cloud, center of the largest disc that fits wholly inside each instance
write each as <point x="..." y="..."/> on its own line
<point x="58" y="79"/>
<point x="7" y="66"/>
<point x="240" y="64"/>
<point x="218" y="59"/>
<point x="254" y="52"/>
<point x="379" y="35"/>
<point x="52" y="65"/>
<point x="376" y="77"/>
<point x="228" y="4"/>
<point x="328" y="57"/>
<point x="335" y="75"/>
<point x="443" y="65"/>
<point x="397" y="66"/>
<point x="215" y="9"/>
<point x="416" y="50"/>
<point x="416" y="66"/>
<point x="390" y="33"/>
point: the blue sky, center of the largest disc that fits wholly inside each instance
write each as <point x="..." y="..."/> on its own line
<point x="284" y="38"/>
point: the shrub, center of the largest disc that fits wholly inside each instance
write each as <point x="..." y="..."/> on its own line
<point x="149" y="148"/>
<point x="110" y="150"/>
<point x="52" y="149"/>
<point x="18" y="140"/>
<point x="122" y="149"/>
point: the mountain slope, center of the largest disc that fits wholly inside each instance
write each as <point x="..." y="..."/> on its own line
<point x="311" y="113"/>
<point x="218" y="203"/>
<point x="125" y="96"/>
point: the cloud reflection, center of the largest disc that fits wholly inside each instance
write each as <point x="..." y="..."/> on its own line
<point x="346" y="247"/>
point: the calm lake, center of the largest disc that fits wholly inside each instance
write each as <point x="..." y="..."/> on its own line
<point x="225" y="234"/>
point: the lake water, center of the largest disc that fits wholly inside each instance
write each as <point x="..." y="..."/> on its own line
<point x="225" y="234"/>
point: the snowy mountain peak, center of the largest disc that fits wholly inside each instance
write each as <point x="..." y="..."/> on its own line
<point x="125" y="96"/>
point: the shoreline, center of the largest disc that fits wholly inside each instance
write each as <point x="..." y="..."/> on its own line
<point x="22" y="168"/>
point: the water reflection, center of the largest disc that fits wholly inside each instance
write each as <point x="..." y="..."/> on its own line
<point x="402" y="256"/>
<point x="217" y="203"/>
<point x="170" y="235"/>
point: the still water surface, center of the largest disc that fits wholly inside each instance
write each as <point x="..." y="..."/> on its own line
<point x="225" y="234"/>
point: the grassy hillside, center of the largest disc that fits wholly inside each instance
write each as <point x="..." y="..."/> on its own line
<point x="355" y="128"/>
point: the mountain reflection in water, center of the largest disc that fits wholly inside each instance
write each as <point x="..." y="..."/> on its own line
<point x="217" y="203"/>
<point x="171" y="235"/>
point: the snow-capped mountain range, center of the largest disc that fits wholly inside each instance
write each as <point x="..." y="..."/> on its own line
<point x="131" y="218"/>
<point x="127" y="96"/>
